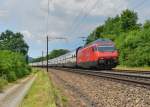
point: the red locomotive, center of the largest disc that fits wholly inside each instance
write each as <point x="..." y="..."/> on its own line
<point x="98" y="54"/>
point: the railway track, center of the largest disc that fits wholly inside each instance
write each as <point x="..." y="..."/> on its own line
<point x="130" y="77"/>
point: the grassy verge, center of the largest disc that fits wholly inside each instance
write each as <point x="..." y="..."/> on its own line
<point x="3" y="84"/>
<point x="133" y="68"/>
<point x="43" y="93"/>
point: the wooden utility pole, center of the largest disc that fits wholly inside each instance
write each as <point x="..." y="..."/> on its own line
<point x="42" y="59"/>
<point x="47" y="55"/>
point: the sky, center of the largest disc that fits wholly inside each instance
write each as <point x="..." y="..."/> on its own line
<point x="70" y="19"/>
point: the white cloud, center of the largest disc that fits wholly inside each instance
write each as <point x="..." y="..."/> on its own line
<point x="3" y="13"/>
<point x="98" y="7"/>
<point x="143" y="14"/>
<point x="26" y="34"/>
<point x="40" y="38"/>
<point x="109" y="7"/>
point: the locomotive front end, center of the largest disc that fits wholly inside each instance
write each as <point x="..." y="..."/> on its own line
<point x="107" y="55"/>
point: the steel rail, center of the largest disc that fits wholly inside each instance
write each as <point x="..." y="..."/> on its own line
<point x="138" y="78"/>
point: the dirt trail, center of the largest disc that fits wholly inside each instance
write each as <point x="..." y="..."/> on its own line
<point x="13" y="96"/>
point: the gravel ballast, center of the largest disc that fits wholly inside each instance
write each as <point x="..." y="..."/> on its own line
<point x="88" y="91"/>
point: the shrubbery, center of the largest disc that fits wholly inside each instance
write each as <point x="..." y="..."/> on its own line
<point x="12" y="66"/>
<point x="135" y="48"/>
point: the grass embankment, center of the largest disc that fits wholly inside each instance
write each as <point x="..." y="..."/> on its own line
<point x="3" y="84"/>
<point x="43" y="93"/>
<point x="133" y="68"/>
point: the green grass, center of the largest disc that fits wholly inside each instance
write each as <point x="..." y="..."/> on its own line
<point x="43" y="93"/>
<point x="3" y="83"/>
<point x="133" y="68"/>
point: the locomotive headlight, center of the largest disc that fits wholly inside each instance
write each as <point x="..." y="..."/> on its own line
<point x="101" y="61"/>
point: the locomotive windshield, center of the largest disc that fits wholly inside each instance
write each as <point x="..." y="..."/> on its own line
<point x="106" y="48"/>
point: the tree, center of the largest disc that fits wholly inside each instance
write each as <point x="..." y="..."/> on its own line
<point x="97" y="33"/>
<point x="146" y="24"/>
<point x="129" y="20"/>
<point x="13" y="41"/>
<point x="112" y="25"/>
<point x="56" y="53"/>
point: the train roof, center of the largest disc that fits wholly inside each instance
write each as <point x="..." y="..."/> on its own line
<point x="101" y="40"/>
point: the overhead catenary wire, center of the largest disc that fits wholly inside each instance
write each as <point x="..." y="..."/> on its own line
<point x="139" y="4"/>
<point x="135" y="6"/>
<point x="78" y="25"/>
<point x="84" y="16"/>
<point x="76" y="19"/>
<point x="47" y="24"/>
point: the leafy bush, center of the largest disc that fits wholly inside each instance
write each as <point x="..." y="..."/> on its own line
<point x="13" y="65"/>
<point x="135" y="48"/>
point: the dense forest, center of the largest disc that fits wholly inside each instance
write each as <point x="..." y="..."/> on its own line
<point x="13" y="57"/>
<point x="132" y="39"/>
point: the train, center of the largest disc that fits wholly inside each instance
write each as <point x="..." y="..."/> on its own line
<point x="99" y="54"/>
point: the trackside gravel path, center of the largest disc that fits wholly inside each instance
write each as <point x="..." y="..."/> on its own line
<point x="13" y="96"/>
<point x="90" y="91"/>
